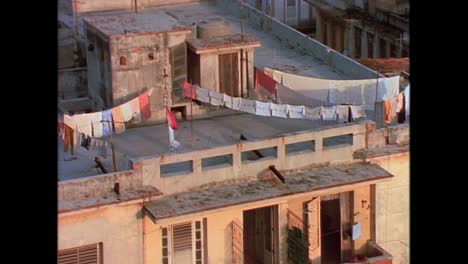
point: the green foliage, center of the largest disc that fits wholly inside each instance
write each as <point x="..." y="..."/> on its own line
<point x="297" y="246"/>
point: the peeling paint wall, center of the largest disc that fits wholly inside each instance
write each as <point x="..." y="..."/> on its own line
<point x="119" y="228"/>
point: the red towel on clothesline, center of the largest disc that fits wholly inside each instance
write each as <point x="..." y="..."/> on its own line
<point x="171" y="119"/>
<point x="189" y="90"/>
<point x="261" y="79"/>
<point x="145" y="110"/>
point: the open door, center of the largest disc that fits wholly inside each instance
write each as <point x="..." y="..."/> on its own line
<point x="313" y="227"/>
<point x="270" y="238"/>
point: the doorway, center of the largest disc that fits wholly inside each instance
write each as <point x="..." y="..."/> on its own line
<point x="260" y="235"/>
<point x="330" y="231"/>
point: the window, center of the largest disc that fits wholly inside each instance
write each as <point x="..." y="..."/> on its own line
<point x="338" y="141"/>
<point x="300" y="147"/>
<point x="88" y="254"/>
<point x="186" y="241"/>
<point x="217" y="161"/>
<point x="257" y="154"/>
<point x="176" y="168"/>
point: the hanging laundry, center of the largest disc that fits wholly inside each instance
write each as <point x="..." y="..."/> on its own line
<point x="387" y="111"/>
<point x="247" y="106"/>
<point x="236" y="103"/>
<point x="171" y="125"/>
<point x="68" y="141"/>
<point x="135" y="108"/>
<point x="400" y="103"/>
<point x="83" y="122"/>
<point x="357" y="111"/>
<point x="77" y="135"/>
<point x="328" y="113"/>
<point x="119" y="123"/>
<point x="227" y="101"/>
<point x="189" y="90"/>
<point x="171" y="118"/>
<point x="61" y="130"/>
<point x="312" y="113"/>
<point x="407" y="100"/>
<point x="261" y="79"/>
<point x="143" y="101"/>
<point x="85" y="141"/>
<point x="262" y="108"/>
<point x="296" y="111"/>
<point x="350" y="95"/>
<point x="106" y="122"/>
<point x="319" y="88"/>
<point x="343" y="113"/>
<point x="388" y="88"/>
<point x="96" y="124"/>
<point x="402" y="113"/>
<point x="126" y="110"/>
<point x="216" y="98"/>
<point x="103" y="149"/>
<point x="279" y="110"/>
<point x="203" y="95"/>
<point x="286" y="95"/>
<point x="394" y="102"/>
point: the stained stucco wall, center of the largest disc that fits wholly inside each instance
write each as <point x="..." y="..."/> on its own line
<point x="392" y="208"/>
<point x="119" y="228"/>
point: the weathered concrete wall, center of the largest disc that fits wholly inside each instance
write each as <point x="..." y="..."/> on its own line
<point x="392" y="207"/>
<point x="219" y="237"/>
<point x="141" y="72"/>
<point x="119" y="228"/>
<point x="301" y="42"/>
<point x="362" y="214"/>
<point x="97" y="59"/>
<point x="73" y="84"/>
<point x="98" y="186"/>
<point x="398" y="134"/>
<point x="186" y="180"/>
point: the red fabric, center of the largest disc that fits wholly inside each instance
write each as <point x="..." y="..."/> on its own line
<point x="143" y="100"/>
<point x="171" y="119"/>
<point x="189" y="90"/>
<point x="265" y="81"/>
<point x="69" y="138"/>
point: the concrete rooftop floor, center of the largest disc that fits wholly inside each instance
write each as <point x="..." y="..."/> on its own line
<point x="201" y="134"/>
<point x="256" y="189"/>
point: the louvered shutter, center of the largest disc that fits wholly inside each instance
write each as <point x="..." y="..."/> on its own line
<point x="313" y="225"/>
<point x="182" y="243"/>
<point x="89" y="254"/>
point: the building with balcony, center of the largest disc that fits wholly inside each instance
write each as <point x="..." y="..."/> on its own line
<point x="241" y="188"/>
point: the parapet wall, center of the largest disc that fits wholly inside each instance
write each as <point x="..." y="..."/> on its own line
<point x="193" y="174"/>
<point x="298" y="41"/>
<point x="98" y="186"/>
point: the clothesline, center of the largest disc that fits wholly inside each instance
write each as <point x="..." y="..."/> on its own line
<point x="338" y="113"/>
<point x="84" y="129"/>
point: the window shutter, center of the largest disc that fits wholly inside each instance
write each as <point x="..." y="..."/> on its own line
<point x="89" y="254"/>
<point x="182" y="236"/>
<point x="313" y="217"/>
